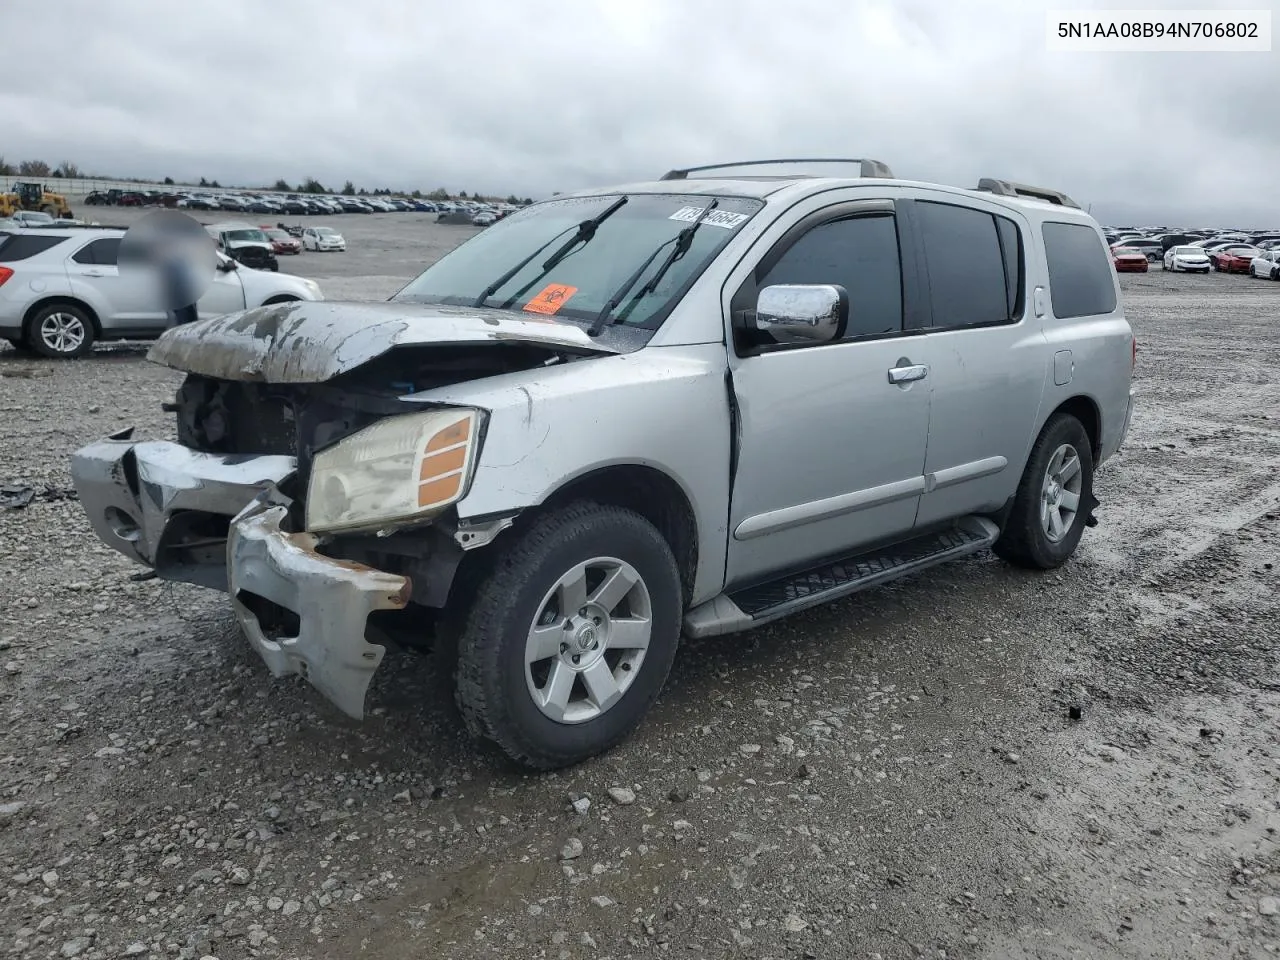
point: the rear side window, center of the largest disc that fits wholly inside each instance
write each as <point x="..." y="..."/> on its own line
<point x="102" y="253"/>
<point x="1081" y="283"/>
<point x="21" y="246"/>
<point x="859" y="254"/>
<point x="974" y="265"/>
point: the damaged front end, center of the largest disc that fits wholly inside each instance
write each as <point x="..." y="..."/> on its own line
<point x="310" y="492"/>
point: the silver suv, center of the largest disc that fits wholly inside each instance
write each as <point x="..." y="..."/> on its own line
<point x="682" y="407"/>
<point x="62" y="289"/>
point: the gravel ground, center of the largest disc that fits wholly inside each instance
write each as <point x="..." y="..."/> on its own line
<point x="974" y="762"/>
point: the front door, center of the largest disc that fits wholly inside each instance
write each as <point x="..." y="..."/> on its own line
<point x="832" y="436"/>
<point x="225" y="295"/>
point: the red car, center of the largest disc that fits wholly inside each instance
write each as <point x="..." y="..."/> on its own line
<point x="281" y="242"/>
<point x="1233" y="259"/>
<point x="1128" y="260"/>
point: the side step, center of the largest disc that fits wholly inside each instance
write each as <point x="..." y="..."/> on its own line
<point x="758" y="605"/>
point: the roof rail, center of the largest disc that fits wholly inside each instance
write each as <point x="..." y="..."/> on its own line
<point x="866" y="168"/>
<point x="1007" y="188"/>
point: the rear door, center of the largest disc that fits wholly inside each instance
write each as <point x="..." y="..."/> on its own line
<point x="131" y="300"/>
<point x="985" y="349"/>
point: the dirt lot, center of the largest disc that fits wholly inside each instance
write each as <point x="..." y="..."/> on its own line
<point x="897" y="775"/>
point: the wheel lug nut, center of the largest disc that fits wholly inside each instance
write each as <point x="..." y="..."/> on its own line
<point x="582" y="612"/>
<point x="564" y="647"/>
<point x="576" y="658"/>
<point x="595" y="646"/>
<point x="597" y="621"/>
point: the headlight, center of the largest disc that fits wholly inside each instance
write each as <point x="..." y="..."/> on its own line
<point x="403" y="468"/>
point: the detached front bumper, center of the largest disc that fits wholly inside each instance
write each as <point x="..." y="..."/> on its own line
<point x="152" y="500"/>
<point x="329" y="602"/>
<point x="219" y="521"/>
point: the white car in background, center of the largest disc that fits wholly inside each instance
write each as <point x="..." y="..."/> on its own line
<point x="61" y="290"/>
<point x="1266" y="265"/>
<point x="1187" y="259"/>
<point x="322" y="238"/>
<point x="33" y="218"/>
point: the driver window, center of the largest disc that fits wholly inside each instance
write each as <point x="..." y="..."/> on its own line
<point x="861" y="255"/>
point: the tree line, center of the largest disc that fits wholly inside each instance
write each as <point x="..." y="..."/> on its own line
<point x="40" y="169"/>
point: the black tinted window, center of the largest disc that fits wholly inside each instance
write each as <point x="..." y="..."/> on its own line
<point x="1011" y="249"/>
<point x="20" y="246"/>
<point x="859" y="254"/>
<point x="101" y="252"/>
<point x="967" y="283"/>
<point x="1080" y="277"/>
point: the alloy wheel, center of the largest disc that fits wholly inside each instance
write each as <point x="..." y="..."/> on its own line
<point x="1060" y="493"/>
<point x="588" y="640"/>
<point x="62" y="332"/>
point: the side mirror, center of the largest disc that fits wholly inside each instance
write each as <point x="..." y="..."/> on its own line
<point x="802" y="313"/>
<point x="228" y="265"/>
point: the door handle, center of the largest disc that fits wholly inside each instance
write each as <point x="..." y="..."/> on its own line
<point x="94" y="273"/>
<point x="916" y="371"/>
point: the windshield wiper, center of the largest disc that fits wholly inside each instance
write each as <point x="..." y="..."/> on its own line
<point x="586" y="230"/>
<point x="683" y="240"/>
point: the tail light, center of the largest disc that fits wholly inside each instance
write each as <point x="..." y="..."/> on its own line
<point x="5" y="274"/>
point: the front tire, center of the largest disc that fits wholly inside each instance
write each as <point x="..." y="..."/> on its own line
<point x="569" y="638"/>
<point x="1054" y="498"/>
<point x="62" y="331"/>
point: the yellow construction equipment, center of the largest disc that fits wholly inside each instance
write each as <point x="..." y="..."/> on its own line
<point x="32" y="196"/>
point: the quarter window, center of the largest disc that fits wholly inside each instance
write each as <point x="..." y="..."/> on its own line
<point x="1081" y="283"/>
<point x="859" y="254"/>
<point x="102" y="253"/>
<point x="974" y="264"/>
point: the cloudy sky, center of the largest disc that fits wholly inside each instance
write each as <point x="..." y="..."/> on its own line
<point x="531" y="97"/>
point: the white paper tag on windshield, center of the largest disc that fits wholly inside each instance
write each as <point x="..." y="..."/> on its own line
<point x="716" y="218"/>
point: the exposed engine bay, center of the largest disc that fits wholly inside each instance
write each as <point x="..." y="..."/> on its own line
<point x="246" y="419"/>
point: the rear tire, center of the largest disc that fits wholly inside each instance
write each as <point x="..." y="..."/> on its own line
<point x="568" y="638"/>
<point x="1054" y="498"/>
<point x="61" y="331"/>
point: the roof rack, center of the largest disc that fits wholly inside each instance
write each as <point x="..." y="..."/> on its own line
<point x="1007" y="188"/>
<point x="866" y="168"/>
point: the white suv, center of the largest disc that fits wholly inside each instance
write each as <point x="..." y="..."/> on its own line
<point x="60" y="290"/>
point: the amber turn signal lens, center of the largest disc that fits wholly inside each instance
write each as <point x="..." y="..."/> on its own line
<point x="444" y="464"/>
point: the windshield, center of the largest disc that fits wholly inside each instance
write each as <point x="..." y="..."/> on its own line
<point x="1188" y="251"/>
<point x="580" y="285"/>
<point x="251" y="236"/>
<point x="278" y="235"/>
<point x="326" y="231"/>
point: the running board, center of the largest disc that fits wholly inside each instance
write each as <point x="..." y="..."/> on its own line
<point x="758" y="605"/>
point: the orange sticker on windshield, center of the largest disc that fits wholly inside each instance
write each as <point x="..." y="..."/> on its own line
<point x="551" y="299"/>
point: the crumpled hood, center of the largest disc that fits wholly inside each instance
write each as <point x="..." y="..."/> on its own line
<point x="310" y="342"/>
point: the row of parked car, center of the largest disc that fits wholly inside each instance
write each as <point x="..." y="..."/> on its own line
<point x="292" y="203"/>
<point x="1255" y="254"/>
